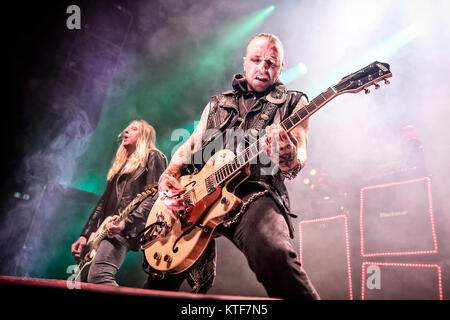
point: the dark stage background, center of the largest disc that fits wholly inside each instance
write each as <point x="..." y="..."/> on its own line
<point x="70" y="92"/>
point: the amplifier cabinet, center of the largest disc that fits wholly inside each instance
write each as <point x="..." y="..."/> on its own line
<point x="325" y="256"/>
<point x="401" y="281"/>
<point x="397" y="219"/>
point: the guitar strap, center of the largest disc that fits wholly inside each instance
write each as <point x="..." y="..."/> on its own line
<point x="275" y="99"/>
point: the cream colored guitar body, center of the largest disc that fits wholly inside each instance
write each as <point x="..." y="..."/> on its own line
<point x="175" y="244"/>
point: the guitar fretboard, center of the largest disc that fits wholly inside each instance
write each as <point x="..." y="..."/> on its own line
<point x="305" y="112"/>
<point x="229" y="169"/>
<point x="140" y="197"/>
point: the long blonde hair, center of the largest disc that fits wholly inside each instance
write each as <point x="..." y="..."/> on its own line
<point x="145" y="142"/>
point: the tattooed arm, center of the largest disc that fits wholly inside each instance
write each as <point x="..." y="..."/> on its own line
<point x="169" y="180"/>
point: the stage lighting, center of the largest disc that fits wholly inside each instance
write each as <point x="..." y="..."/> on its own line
<point x="294" y="73"/>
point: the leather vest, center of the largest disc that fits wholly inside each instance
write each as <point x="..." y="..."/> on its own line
<point x="126" y="189"/>
<point x="224" y="114"/>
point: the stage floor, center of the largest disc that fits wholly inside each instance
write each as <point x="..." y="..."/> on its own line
<point x="66" y="286"/>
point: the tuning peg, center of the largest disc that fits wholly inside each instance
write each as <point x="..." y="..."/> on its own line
<point x="377" y="86"/>
<point x="367" y="91"/>
<point x="386" y="81"/>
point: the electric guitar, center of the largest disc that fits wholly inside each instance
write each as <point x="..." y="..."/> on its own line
<point x="80" y="273"/>
<point x="173" y="245"/>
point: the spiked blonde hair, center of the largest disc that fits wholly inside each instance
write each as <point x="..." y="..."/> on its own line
<point x="272" y="38"/>
<point x="145" y="142"/>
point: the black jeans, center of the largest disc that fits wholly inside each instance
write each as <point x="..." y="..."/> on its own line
<point x="262" y="235"/>
<point x="169" y="283"/>
<point x="107" y="261"/>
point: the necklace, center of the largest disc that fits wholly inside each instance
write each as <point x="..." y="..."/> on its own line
<point x="245" y="106"/>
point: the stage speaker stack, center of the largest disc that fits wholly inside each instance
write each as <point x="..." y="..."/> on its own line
<point x="325" y="256"/>
<point x="399" y="247"/>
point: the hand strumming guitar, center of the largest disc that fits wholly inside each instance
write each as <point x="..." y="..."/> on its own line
<point x="113" y="228"/>
<point x="169" y="186"/>
<point x="170" y="189"/>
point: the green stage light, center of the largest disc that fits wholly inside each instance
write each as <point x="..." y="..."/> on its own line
<point x="391" y="45"/>
<point x="381" y="52"/>
<point x="293" y="73"/>
<point x="169" y="94"/>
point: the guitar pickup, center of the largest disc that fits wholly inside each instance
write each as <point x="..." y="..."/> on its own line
<point x="188" y="199"/>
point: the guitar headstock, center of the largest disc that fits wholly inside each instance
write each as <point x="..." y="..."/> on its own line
<point x="364" y="78"/>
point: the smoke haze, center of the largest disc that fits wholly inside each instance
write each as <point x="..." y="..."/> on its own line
<point x="136" y="59"/>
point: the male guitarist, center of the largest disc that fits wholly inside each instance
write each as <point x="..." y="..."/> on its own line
<point x="261" y="229"/>
<point x="137" y="164"/>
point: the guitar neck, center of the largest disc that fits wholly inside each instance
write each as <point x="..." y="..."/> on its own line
<point x="229" y="169"/>
<point x="124" y="213"/>
<point x="300" y="115"/>
<point x="355" y="82"/>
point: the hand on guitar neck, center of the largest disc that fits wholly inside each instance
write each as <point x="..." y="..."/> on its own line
<point x="281" y="147"/>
